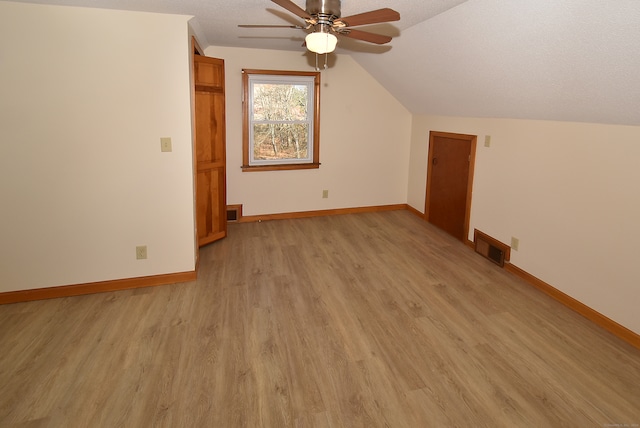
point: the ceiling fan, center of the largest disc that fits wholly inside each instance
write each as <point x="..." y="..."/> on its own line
<point x="324" y="19"/>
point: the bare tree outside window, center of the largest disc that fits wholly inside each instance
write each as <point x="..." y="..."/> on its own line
<point x="280" y="127"/>
<point x="280" y="120"/>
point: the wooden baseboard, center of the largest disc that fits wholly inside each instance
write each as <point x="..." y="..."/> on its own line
<point x="608" y="324"/>
<point x="150" y="281"/>
<point x="95" y="287"/>
<point x="415" y="211"/>
<point x="319" y="213"/>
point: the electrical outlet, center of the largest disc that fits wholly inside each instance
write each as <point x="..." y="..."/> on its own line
<point x="141" y="252"/>
<point x="325" y="194"/>
<point x="515" y="242"/>
<point x="165" y="144"/>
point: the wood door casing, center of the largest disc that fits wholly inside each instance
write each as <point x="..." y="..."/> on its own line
<point x="450" y="182"/>
<point x="211" y="218"/>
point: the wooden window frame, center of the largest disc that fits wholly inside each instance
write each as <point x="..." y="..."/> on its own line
<point x="246" y="110"/>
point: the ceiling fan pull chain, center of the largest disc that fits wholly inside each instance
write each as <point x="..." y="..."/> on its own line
<point x="326" y="62"/>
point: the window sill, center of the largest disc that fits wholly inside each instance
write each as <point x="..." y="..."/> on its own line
<point x="281" y="167"/>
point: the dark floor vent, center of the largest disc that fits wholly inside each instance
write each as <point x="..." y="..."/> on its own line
<point x="234" y="213"/>
<point x="491" y="248"/>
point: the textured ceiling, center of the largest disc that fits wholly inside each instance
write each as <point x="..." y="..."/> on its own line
<point x="216" y="21"/>
<point x="570" y="60"/>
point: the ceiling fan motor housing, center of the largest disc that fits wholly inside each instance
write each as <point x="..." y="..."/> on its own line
<point x="324" y="19"/>
<point x="324" y="8"/>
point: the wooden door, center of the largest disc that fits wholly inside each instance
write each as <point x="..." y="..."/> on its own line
<point x="211" y="199"/>
<point x="450" y="181"/>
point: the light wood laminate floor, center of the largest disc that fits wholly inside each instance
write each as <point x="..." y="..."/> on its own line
<point x="362" y="320"/>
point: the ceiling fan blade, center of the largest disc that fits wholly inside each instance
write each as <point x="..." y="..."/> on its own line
<point x="366" y="36"/>
<point x="272" y="26"/>
<point x="373" y="17"/>
<point x="293" y="8"/>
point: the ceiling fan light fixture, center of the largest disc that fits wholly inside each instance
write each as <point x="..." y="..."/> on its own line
<point x="321" y="42"/>
<point x="326" y="20"/>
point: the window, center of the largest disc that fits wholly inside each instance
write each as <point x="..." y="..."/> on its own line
<point x="281" y="120"/>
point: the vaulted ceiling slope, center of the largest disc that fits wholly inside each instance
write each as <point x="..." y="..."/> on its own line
<point x="569" y="60"/>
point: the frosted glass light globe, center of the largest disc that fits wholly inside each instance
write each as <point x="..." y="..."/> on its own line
<point x="321" y="43"/>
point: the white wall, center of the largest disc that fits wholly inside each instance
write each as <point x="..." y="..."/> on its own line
<point x="85" y="95"/>
<point x="568" y="191"/>
<point x="364" y="140"/>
